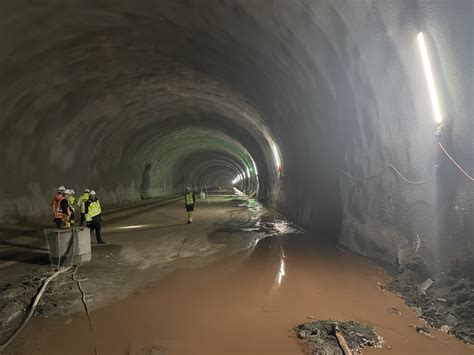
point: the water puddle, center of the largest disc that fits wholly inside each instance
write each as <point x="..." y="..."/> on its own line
<point x="247" y="303"/>
<point x="234" y="308"/>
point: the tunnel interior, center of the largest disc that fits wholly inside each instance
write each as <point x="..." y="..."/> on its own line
<point x="140" y="99"/>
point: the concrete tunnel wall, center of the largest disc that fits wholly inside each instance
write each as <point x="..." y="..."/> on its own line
<point x="107" y="94"/>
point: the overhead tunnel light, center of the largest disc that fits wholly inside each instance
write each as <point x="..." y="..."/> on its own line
<point x="276" y="156"/>
<point x="237" y="179"/>
<point x="429" y="78"/>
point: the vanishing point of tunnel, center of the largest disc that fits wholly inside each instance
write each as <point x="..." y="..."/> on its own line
<point x="267" y="177"/>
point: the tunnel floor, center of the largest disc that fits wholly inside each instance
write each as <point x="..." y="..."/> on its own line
<point x="214" y="287"/>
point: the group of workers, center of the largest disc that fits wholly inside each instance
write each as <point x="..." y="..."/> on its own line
<point x="65" y="205"/>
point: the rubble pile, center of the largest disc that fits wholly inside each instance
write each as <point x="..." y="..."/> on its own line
<point x="445" y="300"/>
<point x="319" y="337"/>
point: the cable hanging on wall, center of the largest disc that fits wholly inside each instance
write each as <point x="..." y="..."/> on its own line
<point x="454" y="161"/>
<point x="396" y="171"/>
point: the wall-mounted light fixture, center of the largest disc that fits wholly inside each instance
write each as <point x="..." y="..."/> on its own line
<point x="276" y="156"/>
<point x="429" y="78"/>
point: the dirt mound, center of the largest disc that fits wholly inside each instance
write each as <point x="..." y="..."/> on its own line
<point x="448" y="301"/>
<point x="319" y="337"/>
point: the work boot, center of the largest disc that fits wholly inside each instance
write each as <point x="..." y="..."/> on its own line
<point x="189" y="222"/>
<point x="101" y="242"/>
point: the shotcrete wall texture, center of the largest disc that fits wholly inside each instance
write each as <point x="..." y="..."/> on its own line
<point x="137" y="99"/>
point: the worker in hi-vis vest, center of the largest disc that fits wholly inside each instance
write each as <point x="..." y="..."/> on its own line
<point x="93" y="212"/>
<point x="82" y="205"/>
<point x="60" y="208"/>
<point x="72" y="206"/>
<point x="189" y="201"/>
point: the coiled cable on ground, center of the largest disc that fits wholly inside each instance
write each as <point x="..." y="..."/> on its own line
<point x="43" y="288"/>
<point x="33" y="307"/>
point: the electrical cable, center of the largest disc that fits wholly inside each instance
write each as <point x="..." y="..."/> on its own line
<point x="182" y="245"/>
<point x="41" y="292"/>
<point x="86" y="308"/>
<point x="454" y="162"/>
<point x="396" y="171"/>
<point x="73" y="248"/>
<point x="59" y="250"/>
<point x="33" y="307"/>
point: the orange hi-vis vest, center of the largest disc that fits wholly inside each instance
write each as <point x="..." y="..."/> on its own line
<point x="57" y="211"/>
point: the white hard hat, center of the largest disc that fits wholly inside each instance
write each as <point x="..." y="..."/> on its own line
<point x="61" y="188"/>
<point x="87" y="190"/>
<point x="92" y="192"/>
<point x="67" y="192"/>
<point x="73" y="191"/>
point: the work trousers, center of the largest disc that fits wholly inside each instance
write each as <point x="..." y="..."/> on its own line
<point x="83" y="219"/>
<point x="94" y="225"/>
<point x="58" y="222"/>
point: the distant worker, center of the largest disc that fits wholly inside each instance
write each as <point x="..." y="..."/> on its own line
<point x="189" y="201"/>
<point x="56" y="206"/>
<point x="82" y="205"/>
<point x="93" y="213"/>
<point x="72" y="206"/>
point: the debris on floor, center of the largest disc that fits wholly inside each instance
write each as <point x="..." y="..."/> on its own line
<point x="445" y="300"/>
<point x="424" y="331"/>
<point x="59" y="297"/>
<point x="319" y="337"/>
<point x="396" y="311"/>
<point x="154" y="350"/>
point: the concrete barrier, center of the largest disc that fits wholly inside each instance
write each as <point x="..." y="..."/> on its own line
<point x="69" y="246"/>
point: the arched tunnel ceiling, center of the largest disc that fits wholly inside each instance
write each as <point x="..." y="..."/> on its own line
<point x="94" y="91"/>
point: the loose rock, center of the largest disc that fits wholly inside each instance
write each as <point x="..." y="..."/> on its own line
<point x="318" y="337"/>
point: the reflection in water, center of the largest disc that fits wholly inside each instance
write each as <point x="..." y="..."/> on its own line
<point x="282" y="227"/>
<point x="281" y="272"/>
<point x="217" y="310"/>
<point x="244" y="304"/>
<point x="134" y="226"/>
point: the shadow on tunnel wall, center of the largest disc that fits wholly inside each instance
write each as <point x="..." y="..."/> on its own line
<point x="146" y="182"/>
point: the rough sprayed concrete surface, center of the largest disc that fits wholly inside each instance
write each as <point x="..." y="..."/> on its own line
<point x="138" y="98"/>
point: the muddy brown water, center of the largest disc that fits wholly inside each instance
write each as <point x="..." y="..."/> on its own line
<point x="238" y="307"/>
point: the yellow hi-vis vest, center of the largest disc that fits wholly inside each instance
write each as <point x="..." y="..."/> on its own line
<point x="82" y="202"/>
<point x="72" y="201"/>
<point x="189" y="198"/>
<point x="94" y="210"/>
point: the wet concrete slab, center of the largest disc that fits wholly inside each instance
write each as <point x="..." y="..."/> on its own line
<point x="141" y="249"/>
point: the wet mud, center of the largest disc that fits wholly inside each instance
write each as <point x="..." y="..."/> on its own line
<point x="243" y="305"/>
<point x="248" y="302"/>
